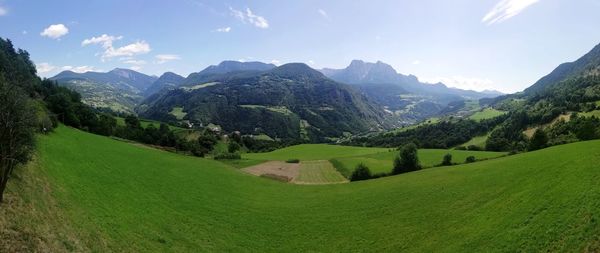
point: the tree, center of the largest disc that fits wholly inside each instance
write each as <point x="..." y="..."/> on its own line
<point x="447" y="161"/>
<point x="207" y="141"/>
<point x="539" y="140"/>
<point x="586" y="130"/>
<point x="233" y="147"/>
<point x="470" y="159"/>
<point x="361" y="172"/>
<point x="407" y="160"/>
<point x="17" y="128"/>
<point x="131" y="121"/>
<point x="106" y="125"/>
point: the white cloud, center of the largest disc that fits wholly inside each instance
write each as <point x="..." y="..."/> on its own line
<point x="106" y="41"/>
<point x="24" y="32"/>
<point x="311" y="62"/>
<point x="416" y="62"/>
<point x="44" y="67"/>
<point x="323" y="13"/>
<point x="250" y="17"/>
<point x="55" y="31"/>
<point x="79" y="69"/>
<point x="134" y="62"/>
<point x="3" y="11"/>
<point x="275" y="62"/>
<point x="223" y="29"/>
<point x="136" y="68"/>
<point x="162" y="58"/>
<point x="140" y="47"/>
<point x="468" y="83"/>
<point x="506" y="9"/>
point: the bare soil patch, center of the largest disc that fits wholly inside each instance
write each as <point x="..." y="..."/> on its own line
<point x="275" y="169"/>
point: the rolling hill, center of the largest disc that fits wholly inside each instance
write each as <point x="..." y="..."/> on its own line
<point x="539" y="201"/>
<point x="292" y="101"/>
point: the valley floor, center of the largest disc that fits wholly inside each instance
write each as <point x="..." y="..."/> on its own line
<point x="90" y="193"/>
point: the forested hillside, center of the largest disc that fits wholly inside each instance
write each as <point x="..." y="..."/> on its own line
<point x="560" y="108"/>
<point x="292" y="101"/>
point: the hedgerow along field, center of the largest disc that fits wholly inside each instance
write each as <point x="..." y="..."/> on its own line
<point x="123" y="197"/>
<point x="383" y="162"/>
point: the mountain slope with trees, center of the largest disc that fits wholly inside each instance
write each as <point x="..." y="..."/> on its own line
<point x="292" y="101"/>
<point x="558" y="109"/>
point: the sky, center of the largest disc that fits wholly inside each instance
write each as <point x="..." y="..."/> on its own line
<point x="504" y="45"/>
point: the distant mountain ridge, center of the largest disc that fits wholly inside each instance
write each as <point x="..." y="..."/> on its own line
<point x="168" y="80"/>
<point x="226" y="68"/>
<point x="360" y="73"/>
<point x="404" y="95"/>
<point x="118" y="89"/>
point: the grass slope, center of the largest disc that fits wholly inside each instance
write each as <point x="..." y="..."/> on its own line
<point x="383" y="162"/>
<point x="478" y="141"/>
<point x="306" y="152"/>
<point x="122" y="197"/>
<point x="319" y="172"/>
<point x="486" y="113"/>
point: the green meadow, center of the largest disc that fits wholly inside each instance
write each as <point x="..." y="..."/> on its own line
<point x="114" y="196"/>
<point x="486" y="113"/>
<point x="311" y="152"/>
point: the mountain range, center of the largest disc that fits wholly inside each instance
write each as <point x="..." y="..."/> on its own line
<point x="253" y="96"/>
<point x="402" y="94"/>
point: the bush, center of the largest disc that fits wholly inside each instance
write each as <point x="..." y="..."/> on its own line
<point x="447" y="161"/>
<point x="461" y="148"/>
<point x="228" y="156"/>
<point x="361" y="172"/>
<point x="407" y="160"/>
<point x="233" y="147"/>
<point x="293" y="161"/>
<point x="539" y="140"/>
<point x="470" y="159"/>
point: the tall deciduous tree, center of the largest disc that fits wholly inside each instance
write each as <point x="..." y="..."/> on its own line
<point x="407" y="160"/>
<point x="17" y="128"/>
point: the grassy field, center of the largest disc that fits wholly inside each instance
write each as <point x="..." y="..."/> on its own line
<point x="319" y="172"/>
<point x="486" y="113"/>
<point x="178" y="113"/>
<point x="118" y="197"/>
<point x="308" y="152"/>
<point x="595" y="113"/>
<point x="146" y="122"/>
<point x="429" y="121"/>
<point x="383" y="162"/>
<point x="478" y="141"/>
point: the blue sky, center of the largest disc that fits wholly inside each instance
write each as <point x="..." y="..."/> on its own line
<point x="477" y="44"/>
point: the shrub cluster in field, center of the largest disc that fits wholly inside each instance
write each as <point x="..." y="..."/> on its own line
<point x="406" y="161"/>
